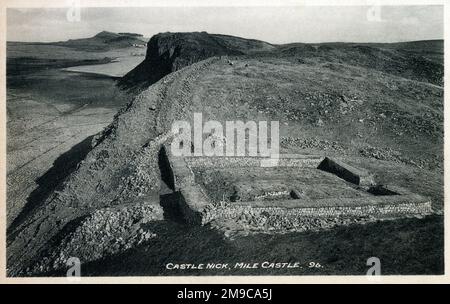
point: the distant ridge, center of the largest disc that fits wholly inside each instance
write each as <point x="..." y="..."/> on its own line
<point x="104" y="41"/>
<point x="169" y="52"/>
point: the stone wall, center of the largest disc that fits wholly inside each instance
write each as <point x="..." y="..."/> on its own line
<point x="288" y="214"/>
<point x="299" y="161"/>
<point x="392" y="209"/>
<point x="279" y="218"/>
<point x="351" y="174"/>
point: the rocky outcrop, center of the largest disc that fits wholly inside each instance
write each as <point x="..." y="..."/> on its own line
<point x="169" y="52"/>
<point x="104" y="232"/>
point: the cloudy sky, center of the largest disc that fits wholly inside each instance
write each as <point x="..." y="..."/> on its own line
<point x="272" y="24"/>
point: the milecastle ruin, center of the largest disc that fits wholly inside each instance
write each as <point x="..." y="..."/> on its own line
<point x="301" y="192"/>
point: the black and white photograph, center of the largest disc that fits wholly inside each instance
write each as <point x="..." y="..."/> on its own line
<point x="224" y="140"/>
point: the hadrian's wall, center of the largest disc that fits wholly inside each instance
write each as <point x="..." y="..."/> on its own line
<point x="411" y="206"/>
<point x="293" y="213"/>
<point x="302" y="219"/>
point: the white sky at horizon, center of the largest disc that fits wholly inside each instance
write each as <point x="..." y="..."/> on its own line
<point x="272" y="24"/>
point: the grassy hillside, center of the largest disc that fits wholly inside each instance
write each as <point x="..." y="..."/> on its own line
<point x="378" y="106"/>
<point x="169" y="52"/>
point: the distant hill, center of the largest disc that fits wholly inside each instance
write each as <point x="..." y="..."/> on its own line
<point x="169" y="52"/>
<point x="104" y="41"/>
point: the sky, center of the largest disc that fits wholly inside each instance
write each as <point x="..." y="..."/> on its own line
<point x="272" y="24"/>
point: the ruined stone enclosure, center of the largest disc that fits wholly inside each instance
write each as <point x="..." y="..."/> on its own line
<point x="302" y="192"/>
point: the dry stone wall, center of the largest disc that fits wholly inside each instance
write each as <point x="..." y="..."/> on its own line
<point x="290" y="214"/>
<point x="302" y="219"/>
